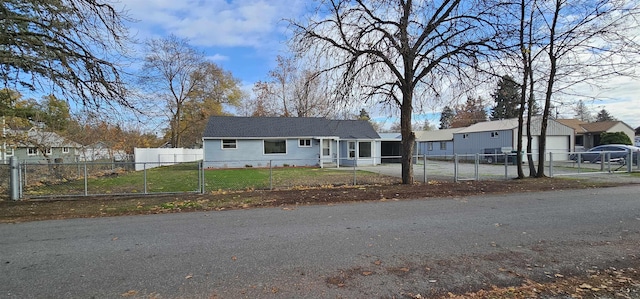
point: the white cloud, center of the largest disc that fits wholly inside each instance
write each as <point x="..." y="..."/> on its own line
<point x="249" y="23"/>
<point x="217" y="58"/>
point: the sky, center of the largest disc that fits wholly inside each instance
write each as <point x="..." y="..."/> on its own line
<point x="244" y="37"/>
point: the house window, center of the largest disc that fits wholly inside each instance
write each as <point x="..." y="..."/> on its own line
<point x="443" y="145"/>
<point x="465" y="136"/>
<point x="32" y="151"/>
<point x="229" y="144"/>
<point x="304" y="142"/>
<point x="364" y="149"/>
<point x="48" y="151"/>
<point x="276" y="146"/>
<point x="65" y="150"/>
<point x="579" y="140"/>
<point x="494" y="134"/>
<point x="9" y="151"/>
<point x="430" y="146"/>
<point x="352" y="149"/>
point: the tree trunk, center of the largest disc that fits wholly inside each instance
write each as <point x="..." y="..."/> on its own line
<point x="408" y="137"/>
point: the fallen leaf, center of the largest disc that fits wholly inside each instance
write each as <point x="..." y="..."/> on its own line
<point x="367" y="273"/>
<point x="559" y="276"/>
<point x="586" y="286"/>
<point x="129" y="293"/>
<point x="233" y="258"/>
<point x="378" y="262"/>
<point x="188" y="276"/>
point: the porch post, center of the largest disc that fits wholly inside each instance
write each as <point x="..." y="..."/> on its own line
<point x="320" y="155"/>
<point x="337" y="153"/>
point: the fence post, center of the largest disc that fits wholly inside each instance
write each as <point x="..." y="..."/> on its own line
<point x="144" y="171"/>
<point x="476" y="167"/>
<point x="455" y="168"/>
<point x="506" y="166"/>
<point x="424" y="168"/>
<point x="608" y="162"/>
<point x="550" y="164"/>
<point x="270" y="174"/>
<point x="579" y="162"/>
<point x="86" y="180"/>
<point x="14" y="178"/>
<point x="200" y="177"/>
<point x="629" y="161"/>
<point x="354" y="172"/>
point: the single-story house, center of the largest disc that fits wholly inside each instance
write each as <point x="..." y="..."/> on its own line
<point x="588" y="134"/>
<point x="235" y="142"/>
<point x="35" y="146"/>
<point x="436" y="143"/>
<point x="501" y="136"/>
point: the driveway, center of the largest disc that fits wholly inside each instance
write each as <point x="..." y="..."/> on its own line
<point x="444" y="170"/>
<point x="358" y="250"/>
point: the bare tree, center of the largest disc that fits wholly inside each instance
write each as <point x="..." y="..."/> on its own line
<point x="177" y="73"/>
<point x="391" y="50"/>
<point x="73" y="46"/>
<point x="293" y="91"/>
<point x="564" y="48"/>
<point x="597" y="29"/>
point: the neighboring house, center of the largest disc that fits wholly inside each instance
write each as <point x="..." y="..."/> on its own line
<point x="436" y="143"/>
<point x="501" y="135"/>
<point x="100" y="151"/>
<point x="35" y="146"/>
<point x="235" y="142"/>
<point x="588" y="134"/>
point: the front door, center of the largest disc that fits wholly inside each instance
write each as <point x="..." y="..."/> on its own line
<point x="326" y="149"/>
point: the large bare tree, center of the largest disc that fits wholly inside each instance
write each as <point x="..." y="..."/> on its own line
<point x="390" y="51"/>
<point x="68" y="47"/>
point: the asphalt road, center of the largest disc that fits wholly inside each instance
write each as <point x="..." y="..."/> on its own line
<point x="359" y="250"/>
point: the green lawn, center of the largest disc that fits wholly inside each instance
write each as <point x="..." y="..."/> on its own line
<point x="184" y="178"/>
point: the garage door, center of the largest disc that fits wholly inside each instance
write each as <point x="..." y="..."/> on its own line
<point x="559" y="146"/>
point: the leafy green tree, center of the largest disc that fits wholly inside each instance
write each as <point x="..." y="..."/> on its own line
<point x="603" y="115"/>
<point x="17" y="112"/>
<point x="446" y="118"/>
<point x="615" y="138"/>
<point x="70" y="44"/>
<point x="506" y="98"/>
<point x="53" y="113"/>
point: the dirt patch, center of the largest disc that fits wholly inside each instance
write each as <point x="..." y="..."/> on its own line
<point x="102" y="206"/>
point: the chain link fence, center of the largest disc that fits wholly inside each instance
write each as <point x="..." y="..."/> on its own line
<point x="40" y="180"/>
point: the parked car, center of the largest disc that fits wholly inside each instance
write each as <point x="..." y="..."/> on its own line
<point x="614" y="152"/>
<point x="496" y="155"/>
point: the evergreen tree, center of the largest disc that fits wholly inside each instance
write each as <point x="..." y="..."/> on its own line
<point x="364" y="115"/>
<point x="604" y="115"/>
<point x="446" y="117"/>
<point x="507" y="99"/>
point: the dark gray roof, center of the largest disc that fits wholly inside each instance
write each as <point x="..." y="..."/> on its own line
<point x="274" y="127"/>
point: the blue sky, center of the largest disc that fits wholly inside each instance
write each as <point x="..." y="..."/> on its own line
<point x="245" y="36"/>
